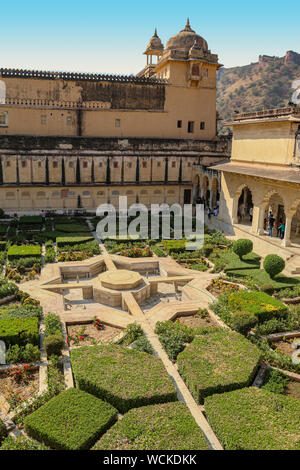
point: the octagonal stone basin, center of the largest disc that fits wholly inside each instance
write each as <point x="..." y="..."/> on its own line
<point x="122" y="279"/>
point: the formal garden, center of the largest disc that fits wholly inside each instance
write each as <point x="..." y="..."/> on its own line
<point x="92" y="385"/>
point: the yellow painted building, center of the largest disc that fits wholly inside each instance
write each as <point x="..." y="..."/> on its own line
<point x="262" y="176"/>
<point x="72" y="140"/>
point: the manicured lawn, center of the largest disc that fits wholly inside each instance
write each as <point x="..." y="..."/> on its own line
<point x="233" y="262"/>
<point x="168" y="426"/>
<point x="16" y="251"/>
<point x="72" y="420"/>
<point x="218" y="361"/>
<point x="124" y="377"/>
<point x="262" y="277"/>
<point x="255" y="419"/>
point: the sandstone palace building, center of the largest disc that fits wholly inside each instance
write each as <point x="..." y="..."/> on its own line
<point x="72" y="141"/>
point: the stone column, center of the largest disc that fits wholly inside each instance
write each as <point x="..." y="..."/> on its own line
<point x="287" y="233"/>
<point x="234" y="211"/>
<point x="261" y="218"/>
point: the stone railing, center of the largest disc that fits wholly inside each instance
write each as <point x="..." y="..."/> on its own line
<point x="57" y="104"/>
<point x="269" y="113"/>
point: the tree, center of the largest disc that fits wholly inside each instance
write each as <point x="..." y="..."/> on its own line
<point x="242" y="247"/>
<point x="273" y="265"/>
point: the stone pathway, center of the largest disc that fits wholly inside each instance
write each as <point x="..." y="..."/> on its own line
<point x="194" y="296"/>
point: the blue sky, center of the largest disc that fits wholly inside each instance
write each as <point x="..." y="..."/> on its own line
<point x="110" y="36"/>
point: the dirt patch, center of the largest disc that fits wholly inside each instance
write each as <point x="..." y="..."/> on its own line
<point x="17" y="390"/>
<point x="90" y="335"/>
<point x="293" y="389"/>
<point x="195" y="320"/>
<point x="284" y="347"/>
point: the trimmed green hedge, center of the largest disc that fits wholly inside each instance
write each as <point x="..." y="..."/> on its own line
<point x="31" y="219"/>
<point x="22" y="443"/>
<point x="7" y="289"/>
<point x="255" y="419"/>
<point x="73" y="420"/>
<point x="217" y="362"/>
<point x="19" y="330"/>
<point x="17" y="251"/>
<point x="262" y="305"/>
<point x="168" y="426"/>
<point x="61" y="241"/>
<point x="72" y="228"/>
<point x="124" y="377"/>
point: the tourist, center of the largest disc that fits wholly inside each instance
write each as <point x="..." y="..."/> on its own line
<point x="271" y="223"/>
<point x="282" y="230"/>
<point x="216" y="211"/>
<point x="278" y="228"/>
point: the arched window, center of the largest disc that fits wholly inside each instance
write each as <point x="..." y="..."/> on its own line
<point x="86" y="194"/>
<point x="2" y="92"/>
<point x="10" y="195"/>
<point x="71" y="194"/>
<point x="41" y="195"/>
<point x="55" y="194"/>
<point x="115" y="193"/>
<point x="100" y="193"/>
<point x="25" y="195"/>
<point x="157" y="191"/>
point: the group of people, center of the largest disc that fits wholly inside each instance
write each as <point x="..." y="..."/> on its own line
<point x="214" y="212"/>
<point x="280" y="226"/>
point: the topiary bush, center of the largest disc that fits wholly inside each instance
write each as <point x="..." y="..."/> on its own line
<point x="124" y="377"/>
<point x="254" y="419"/>
<point x="22" y="443"/>
<point x="73" y="420"/>
<point x="217" y="362"/>
<point x="242" y="247"/>
<point x="54" y="344"/>
<point x="273" y="264"/>
<point x="243" y="322"/>
<point x="168" y="426"/>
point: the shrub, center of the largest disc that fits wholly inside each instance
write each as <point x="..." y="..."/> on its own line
<point x="275" y="381"/>
<point x="16" y="251"/>
<point x="54" y="344"/>
<point x="262" y="305"/>
<point x="70" y="241"/>
<point x="217" y="362"/>
<point x="22" y="443"/>
<point x="52" y="324"/>
<point x="7" y="289"/>
<point x="243" y="322"/>
<point x="20" y="311"/>
<point x="273" y="264"/>
<point x="18" y="354"/>
<point x="255" y="419"/>
<point x="73" y="420"/>
<point x="19" y="330"/>
<point x="267" y="288"/>
<point x="167" y="426"/>
<point x="31" y="219"/>
<point x="124" y="377"/>
<point x="242" y="247"/>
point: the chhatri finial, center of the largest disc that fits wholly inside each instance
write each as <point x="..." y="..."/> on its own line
<point x="188" y="26"/>
<point x="155" y="33"/>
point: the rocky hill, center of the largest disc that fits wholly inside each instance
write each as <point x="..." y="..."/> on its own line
<point x="261" y="85"/>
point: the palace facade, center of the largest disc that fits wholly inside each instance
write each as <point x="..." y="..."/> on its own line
<point x="72" y="141"/>
<point x="262" y="175"/>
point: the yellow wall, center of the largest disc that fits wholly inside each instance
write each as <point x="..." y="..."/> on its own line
<point x="270" y="142"/>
